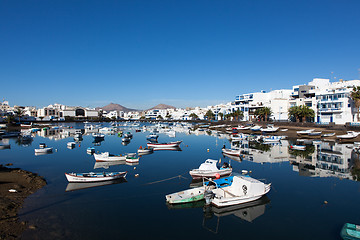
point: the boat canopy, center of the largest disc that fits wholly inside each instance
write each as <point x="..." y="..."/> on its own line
<point x="209" y="164"/>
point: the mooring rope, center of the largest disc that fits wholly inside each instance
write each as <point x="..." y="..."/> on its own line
<point x="163" y="180"/>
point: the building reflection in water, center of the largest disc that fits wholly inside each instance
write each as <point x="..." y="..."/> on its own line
<point x="320" y="158"/>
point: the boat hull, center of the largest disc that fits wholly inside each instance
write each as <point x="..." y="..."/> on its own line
<point x="210" y="174"/>
<point x="100" y="158"/>
<point x="72" y="177"/>
<point x="164" y="145"/>
<point x="190" y="195"/>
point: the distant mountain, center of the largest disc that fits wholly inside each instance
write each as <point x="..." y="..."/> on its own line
<point x="162" y="106"/>
<point x="116" y="107"/>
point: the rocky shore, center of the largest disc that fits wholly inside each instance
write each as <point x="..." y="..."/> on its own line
<point x="15" y="186"/>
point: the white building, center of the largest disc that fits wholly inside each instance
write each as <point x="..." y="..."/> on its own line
<point x="277" y="100"/>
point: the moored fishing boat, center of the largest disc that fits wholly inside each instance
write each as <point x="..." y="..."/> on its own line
<point x="305" y="132"/>
<point x="350" y="232"/>
<point x="328" y="135"/>
<point x="44" y="150"/>
<point x="131" y="158"/>
<point x="348" y="135"/>
<point x="162" y="145"/>
<point x="270" y="129"/>
<point x="186" y="196"/>
<point x="4" y="146"/>
<point x="242" y="189"/>
<point x="94" y="177"/>
<point x="210" y="170"/>
<point x="98" y="136"/>
<point x="152" y="136"/>
<point x="145" y="150"/>
<point x="90" y="150"/>
<point x="297" y="147"/>
<point x="255" y="128"/>
<point x="71" y="144"/>
<point x="232" y="152"/>
<point x="107" y="157"/>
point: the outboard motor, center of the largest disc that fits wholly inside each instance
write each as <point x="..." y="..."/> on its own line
<point x="225" y="165"/>
<point x="208" y="195"/>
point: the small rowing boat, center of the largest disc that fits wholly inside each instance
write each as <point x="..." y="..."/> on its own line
<point x="94" y="177"/>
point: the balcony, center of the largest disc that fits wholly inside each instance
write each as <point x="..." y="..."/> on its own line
<point x="327" y="110"/>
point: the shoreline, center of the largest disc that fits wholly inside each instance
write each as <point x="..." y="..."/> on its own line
<point x="25" y="183"/>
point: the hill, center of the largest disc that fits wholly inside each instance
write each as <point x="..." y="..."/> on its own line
<point x="116" y="107"/>
<point x="162" y="106"/>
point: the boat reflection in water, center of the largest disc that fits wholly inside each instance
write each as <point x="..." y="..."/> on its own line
<point x="235" y="158"/>
<point x="43" y="153"/>
<point x="167" y="149"/>
<point x="106" y="165"/>
<point x="246" y="211"/>
<point x="83" y="185"/>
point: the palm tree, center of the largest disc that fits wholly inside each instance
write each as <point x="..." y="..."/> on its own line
<point x="209" y="114"/>
<point x="221" y="116"/>
<point x="258" y="113"/>
<point x="238" y="114"/>
<point x="306" y="112"/>
<point x="19" y="113"/>
<point x="266" y="112"/>
<point x="294" y="113"/>
<point x="193" y="116"/>
<point x="355" y="96"/>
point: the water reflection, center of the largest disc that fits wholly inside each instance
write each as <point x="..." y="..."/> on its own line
<point x="106" y="165"/>
<point x="84" y="185"/>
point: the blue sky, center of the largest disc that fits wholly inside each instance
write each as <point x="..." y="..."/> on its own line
<point x="178" y="52"/>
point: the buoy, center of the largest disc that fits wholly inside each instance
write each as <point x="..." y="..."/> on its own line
<point x="136" y="175"/>
<point x="244" y="171"/>
<point x="217" y="176"/>
<point x="208" y="150"/>
<point x="134" y="168"/>
<point x="326" y="202"/>
<point x="187" y="145"/>
<point x="250" y="171"/>
<point x="12" y="190"/>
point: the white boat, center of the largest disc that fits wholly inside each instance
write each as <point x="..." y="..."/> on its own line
<point x="210" y="170"/>
<point x="162" y="145"/>
<point x="270" y="139"/>
<point x="283" y="130"/>
<point x="94" y="177"/>
<point x="90" y="150"/>
<point x="314" y="133"/>
<point x="131" y="158"/>
<point x="107" y="157"/>
<point x="106" y="165"/>
<point x="4" y="146"/>
<point x="44" y="150"/>
<point x="298" y="147"/>
<point x="243" y="127"/>
<point x="125" y="139"/>
<point x="349" y="135"/>
<point x="232" y="152"/>
<point x="42" y="145"/>
<point x="98" y="136"/>
<point x="71" y="144"/>
<point x="305" y="132"/>
<point x="269" y="129"/>
<point x="328" y="135"/>
<point x="243" y="189"/>
<point x="190" y="195"/>
<point x="128" y="135"/>
<point x="145" y="150"/>
<point x="152" y="136"/>
<point x="255" y="128"/>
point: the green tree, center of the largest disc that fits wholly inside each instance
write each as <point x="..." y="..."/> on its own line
<point x="193" y="116"/>
<point x="294" y="113"/>
<point x="221" y="116"/>
<point x="266" y="111"/>
<point x="355" y="96"/>
<point x="210" y="115"/>
<point x="238" y="114"/>
<point x="19" y="112"/>
<point x="305" y="113"/>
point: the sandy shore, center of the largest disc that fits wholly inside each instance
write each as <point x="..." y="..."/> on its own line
<point x="24" y="183"/>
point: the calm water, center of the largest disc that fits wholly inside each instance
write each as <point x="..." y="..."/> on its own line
<point x="136" y="208"/>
